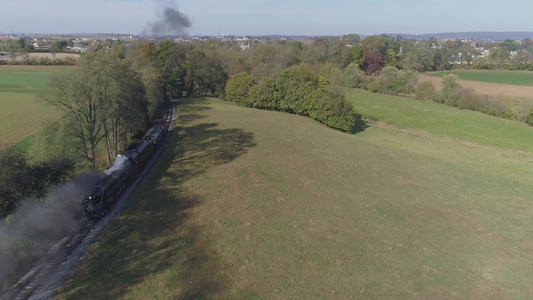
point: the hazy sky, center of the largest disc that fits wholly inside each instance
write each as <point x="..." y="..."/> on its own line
<point x="262" y="17"/>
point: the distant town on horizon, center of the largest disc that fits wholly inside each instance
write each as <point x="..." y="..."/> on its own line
<point x="469" y="35"/>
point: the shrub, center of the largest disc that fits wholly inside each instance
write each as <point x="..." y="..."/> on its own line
<point x="19" y="179"/>
<point x="450" y="85"/>
<point x="364" y="80"/>
<point x="481" y="64"/>
<point x="238" y="87"/>
<point x="393" y="82"/>
<point x="502" y="107"/>
<point x="375" y="86"/>
<point x="388" y="80"/>
<point x="530" y="117"/>
<point x="351" y="76"/>
<point x="467" y="98"/>
<point x="299" y="90"/>
<point x="522" y="113"/>
<point x="265" y="95"/>
<point x="426" y="91"/>
<point x="406" y="81"/>
<point x="45" y="61"/>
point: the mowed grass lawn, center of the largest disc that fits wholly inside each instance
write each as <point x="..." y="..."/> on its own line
<point x="248" y="204"/>
<point x="491" y="76"/>
<point x="21" y="114"/>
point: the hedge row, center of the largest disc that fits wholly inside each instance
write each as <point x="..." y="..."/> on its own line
<point x="297" y="90"/>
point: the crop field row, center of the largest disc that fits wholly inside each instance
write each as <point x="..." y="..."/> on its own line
<point x="21" y="114"/>
<point x="491" y="76"/>
<point x="259" y="204"/>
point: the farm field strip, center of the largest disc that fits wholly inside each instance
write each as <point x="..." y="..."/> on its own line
<point x="21" y="114"/>
<point x="491" y="76"/>
<point x="257" y="204"/>
<point x="21" y="117"/>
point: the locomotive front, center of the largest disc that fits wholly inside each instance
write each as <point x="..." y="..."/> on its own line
<point x="112" y="180"/>
<point x="93" y="204"/>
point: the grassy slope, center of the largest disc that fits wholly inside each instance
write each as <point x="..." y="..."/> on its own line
<point x="444" y="121"/>
<point x="257" y="204"/>
<point x="496" y="76"/>
<point x="21" y="115"/>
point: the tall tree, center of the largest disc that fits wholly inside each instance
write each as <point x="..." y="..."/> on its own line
<point x="419" y="59"/>
<point x="174" y="69"/>
<point x="216" y="76"/>
<point x="351" y="39"/>
<point x="527" y="44"/>
<point x="467" y="52"/>
<point x="498" y="56"/>
<point x="149" y="52"/>
<point x="357" y="55"/>
<point x="74" y="93"/>
<point x="373" y="63"/>
<point x="102" y="99"/>
<point x="194" y="80"/>
<point x="373" y="45"/>
<point x="510" y="45"/>
<point x="390" y="59"/>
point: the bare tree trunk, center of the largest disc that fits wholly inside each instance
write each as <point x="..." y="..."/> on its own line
<point x="107" y="145"/>
<point x="92" y="155"/>
<point x="116" y="137"/>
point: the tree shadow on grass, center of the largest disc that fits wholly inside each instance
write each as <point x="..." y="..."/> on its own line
<point x="189" y="110"/>
<point x="360" y="124"/>
<point x="157" y="248"/>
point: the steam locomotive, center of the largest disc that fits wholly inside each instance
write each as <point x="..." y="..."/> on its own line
<point x="126" y="167"/>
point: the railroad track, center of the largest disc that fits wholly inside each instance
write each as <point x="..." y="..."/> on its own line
<point x="58" y="253"/>
<point x="29" y="285"/>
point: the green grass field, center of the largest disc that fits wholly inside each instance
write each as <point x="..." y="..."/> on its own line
<point x="443" y="120"/>
<point x="491" y="76"/>
<point x="256" y="204"/>
<point x="21" y="114"/>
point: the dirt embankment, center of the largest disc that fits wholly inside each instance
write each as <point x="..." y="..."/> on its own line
<point x="485" y="88"/>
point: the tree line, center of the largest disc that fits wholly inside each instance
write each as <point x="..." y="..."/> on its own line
<point x="298" y="90"/>
<point x="382" y="64"/>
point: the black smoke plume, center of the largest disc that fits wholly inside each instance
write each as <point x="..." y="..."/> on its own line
<point x="172" y="22"/>
<point x="38" y="224"/>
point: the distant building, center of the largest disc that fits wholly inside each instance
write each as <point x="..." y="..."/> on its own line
<point x="484" y="53"/>
<point x="77" y="49"/>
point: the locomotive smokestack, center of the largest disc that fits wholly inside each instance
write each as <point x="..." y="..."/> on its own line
<point x="119" y="161"/>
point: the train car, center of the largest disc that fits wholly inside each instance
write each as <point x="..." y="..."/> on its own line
<point x="126" y="167"/>
<point x="157" y="133"/>
<point x="163" y="123"/>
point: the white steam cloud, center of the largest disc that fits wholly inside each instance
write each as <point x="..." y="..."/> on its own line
<point x="119" y="161"/>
